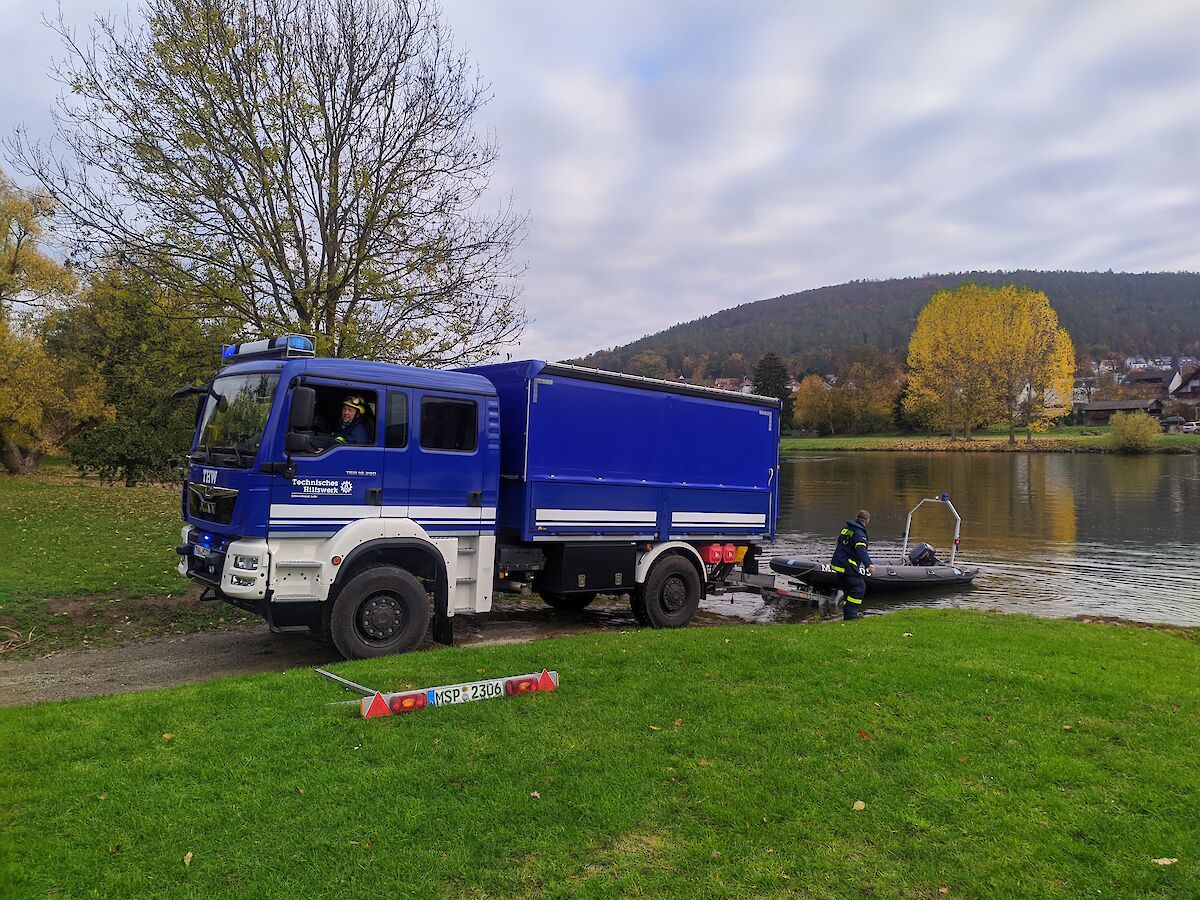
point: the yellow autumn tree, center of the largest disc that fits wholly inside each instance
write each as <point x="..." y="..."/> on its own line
<point x="984" y="354"/>
<point x="948" y="355"/>
<point x="45" y="400"/>
<point x="812" y="405"/>
<point x="1032" y="358"/>
<point x="27" y="275"/>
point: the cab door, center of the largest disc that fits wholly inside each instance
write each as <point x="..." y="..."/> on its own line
<point x="334" y="483"/>
<point x="447" y="475"/>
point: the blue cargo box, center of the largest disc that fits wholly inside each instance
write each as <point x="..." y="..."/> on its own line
<point x="586" y="454"/>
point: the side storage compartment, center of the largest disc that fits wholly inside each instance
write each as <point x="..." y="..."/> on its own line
<point x="587" y="568"/>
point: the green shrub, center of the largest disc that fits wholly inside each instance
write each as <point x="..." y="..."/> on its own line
<point x="1134" y="432"/>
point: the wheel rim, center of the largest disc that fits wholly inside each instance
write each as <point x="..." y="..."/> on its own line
<point x="381" y="617"/>
<point x="673" y="596"/>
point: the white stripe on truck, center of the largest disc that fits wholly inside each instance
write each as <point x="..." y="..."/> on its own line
<point x="287" y="512"/>
<point x="592" y="516"/>
<point x="705" y="518"/>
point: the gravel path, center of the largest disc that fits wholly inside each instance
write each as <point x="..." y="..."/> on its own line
<point x="193" y="658"/>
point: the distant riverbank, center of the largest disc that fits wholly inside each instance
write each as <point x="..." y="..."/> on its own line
<point x="1069" y="439"/>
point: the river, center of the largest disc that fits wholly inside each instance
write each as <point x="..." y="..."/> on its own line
<point x="1056" y="534"/>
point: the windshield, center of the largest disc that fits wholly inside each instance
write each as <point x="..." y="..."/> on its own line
<point x="234" y="417"/>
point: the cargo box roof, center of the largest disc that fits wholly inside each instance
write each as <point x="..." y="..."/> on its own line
<point x="535" y="367"/>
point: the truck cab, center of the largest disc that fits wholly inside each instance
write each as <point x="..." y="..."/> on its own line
<point x="283" y="514"/>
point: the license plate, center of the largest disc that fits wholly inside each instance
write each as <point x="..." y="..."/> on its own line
<point x="465" y="693"/>
<point x="200" y="551"/>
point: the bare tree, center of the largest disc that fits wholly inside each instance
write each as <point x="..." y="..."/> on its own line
<point x="304" y="165"/>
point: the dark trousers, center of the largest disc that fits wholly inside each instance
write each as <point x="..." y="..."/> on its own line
<point x="855" y="589"/>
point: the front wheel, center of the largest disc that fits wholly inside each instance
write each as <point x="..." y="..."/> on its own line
<point x="382" y="610"/>
<point x="671" y="593"/>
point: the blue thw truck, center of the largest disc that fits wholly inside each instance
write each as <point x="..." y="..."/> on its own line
<point x="568" y="480"/>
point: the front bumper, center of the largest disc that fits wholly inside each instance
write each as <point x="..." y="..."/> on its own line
<point x="208" y="559"/>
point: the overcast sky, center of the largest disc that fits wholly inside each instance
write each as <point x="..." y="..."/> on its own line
<point x="678" y="158"/>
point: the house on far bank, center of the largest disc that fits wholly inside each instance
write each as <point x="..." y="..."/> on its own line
<point x="1100" y="412"/>
<point x="1188" y="387"/>
<point x="1157" y="381"/>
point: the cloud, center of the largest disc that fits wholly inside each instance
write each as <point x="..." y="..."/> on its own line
<point x="678" y="158"/>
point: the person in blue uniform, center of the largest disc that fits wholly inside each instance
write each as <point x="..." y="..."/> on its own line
<point x="352" y="429"/>
<point x="851" y="561"/>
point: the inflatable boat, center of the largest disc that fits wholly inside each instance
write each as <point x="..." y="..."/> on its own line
<point x="916" y="569"/>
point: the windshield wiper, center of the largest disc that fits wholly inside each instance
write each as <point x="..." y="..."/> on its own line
<point x="233" y="450"/>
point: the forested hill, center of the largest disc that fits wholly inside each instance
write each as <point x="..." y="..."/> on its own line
<point x="1107" y="314"/>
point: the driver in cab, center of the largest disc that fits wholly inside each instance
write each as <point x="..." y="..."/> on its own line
<point x="352" y="429"/>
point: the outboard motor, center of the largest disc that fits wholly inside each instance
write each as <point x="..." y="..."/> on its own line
<point x="923" y="555"/>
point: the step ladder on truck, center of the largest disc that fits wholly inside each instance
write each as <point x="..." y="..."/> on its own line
<point x="566" y="480"/>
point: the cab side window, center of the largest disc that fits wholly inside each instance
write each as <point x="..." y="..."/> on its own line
<point x="449" y="424"/>
<point x="344" y="417"/>
<point x="395" y="432"/>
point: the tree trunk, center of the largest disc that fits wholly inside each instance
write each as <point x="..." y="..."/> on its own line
<point x="1012" y="431"/>
<point x="19" y="461"/>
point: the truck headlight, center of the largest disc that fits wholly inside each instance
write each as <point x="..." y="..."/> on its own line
<point x="247" y="563"/>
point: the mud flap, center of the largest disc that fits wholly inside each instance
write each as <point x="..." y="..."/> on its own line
<point x="443" y="622"/>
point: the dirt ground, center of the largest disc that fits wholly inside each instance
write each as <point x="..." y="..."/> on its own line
<point x="191" y="658"/>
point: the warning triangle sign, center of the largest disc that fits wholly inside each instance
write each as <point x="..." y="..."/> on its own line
<point x="545" y="682"/>
<point x="376" y="706"/>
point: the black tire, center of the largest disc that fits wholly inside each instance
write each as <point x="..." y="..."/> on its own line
<point x="382" y="610"/>
<point x="569" y="602"/>
<point x="671" y="592"/>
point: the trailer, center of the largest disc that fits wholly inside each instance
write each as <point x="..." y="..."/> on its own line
<point x="363" y="499"/>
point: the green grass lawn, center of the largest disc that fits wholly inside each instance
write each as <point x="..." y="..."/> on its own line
<point x="995" y="755"/>
<point x="1065" y="438"/>
<point x="66" y="537"/>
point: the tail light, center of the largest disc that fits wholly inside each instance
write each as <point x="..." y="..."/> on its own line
<point x="402" y="703"/>
<point x="526" y="685"/>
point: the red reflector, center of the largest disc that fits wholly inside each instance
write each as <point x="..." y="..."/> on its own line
<point x="729" y="553"/>
<point x="403" y="703"/>
<point x="545" y="682"/>
<point x="526" y="685"/>
<point x="711" y="553"/>
<point x="376" y="706"/>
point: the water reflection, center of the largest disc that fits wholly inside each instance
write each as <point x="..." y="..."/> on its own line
<point x="1057" y="534"/>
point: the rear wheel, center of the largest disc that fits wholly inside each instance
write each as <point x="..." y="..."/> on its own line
<point x="569" y="602"/>
<point x="671" y="593"/>
<point x="382" y="610"/>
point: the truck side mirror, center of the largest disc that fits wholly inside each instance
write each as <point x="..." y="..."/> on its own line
<point x="295" y="442"/>
<point x="304" y="403"/>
